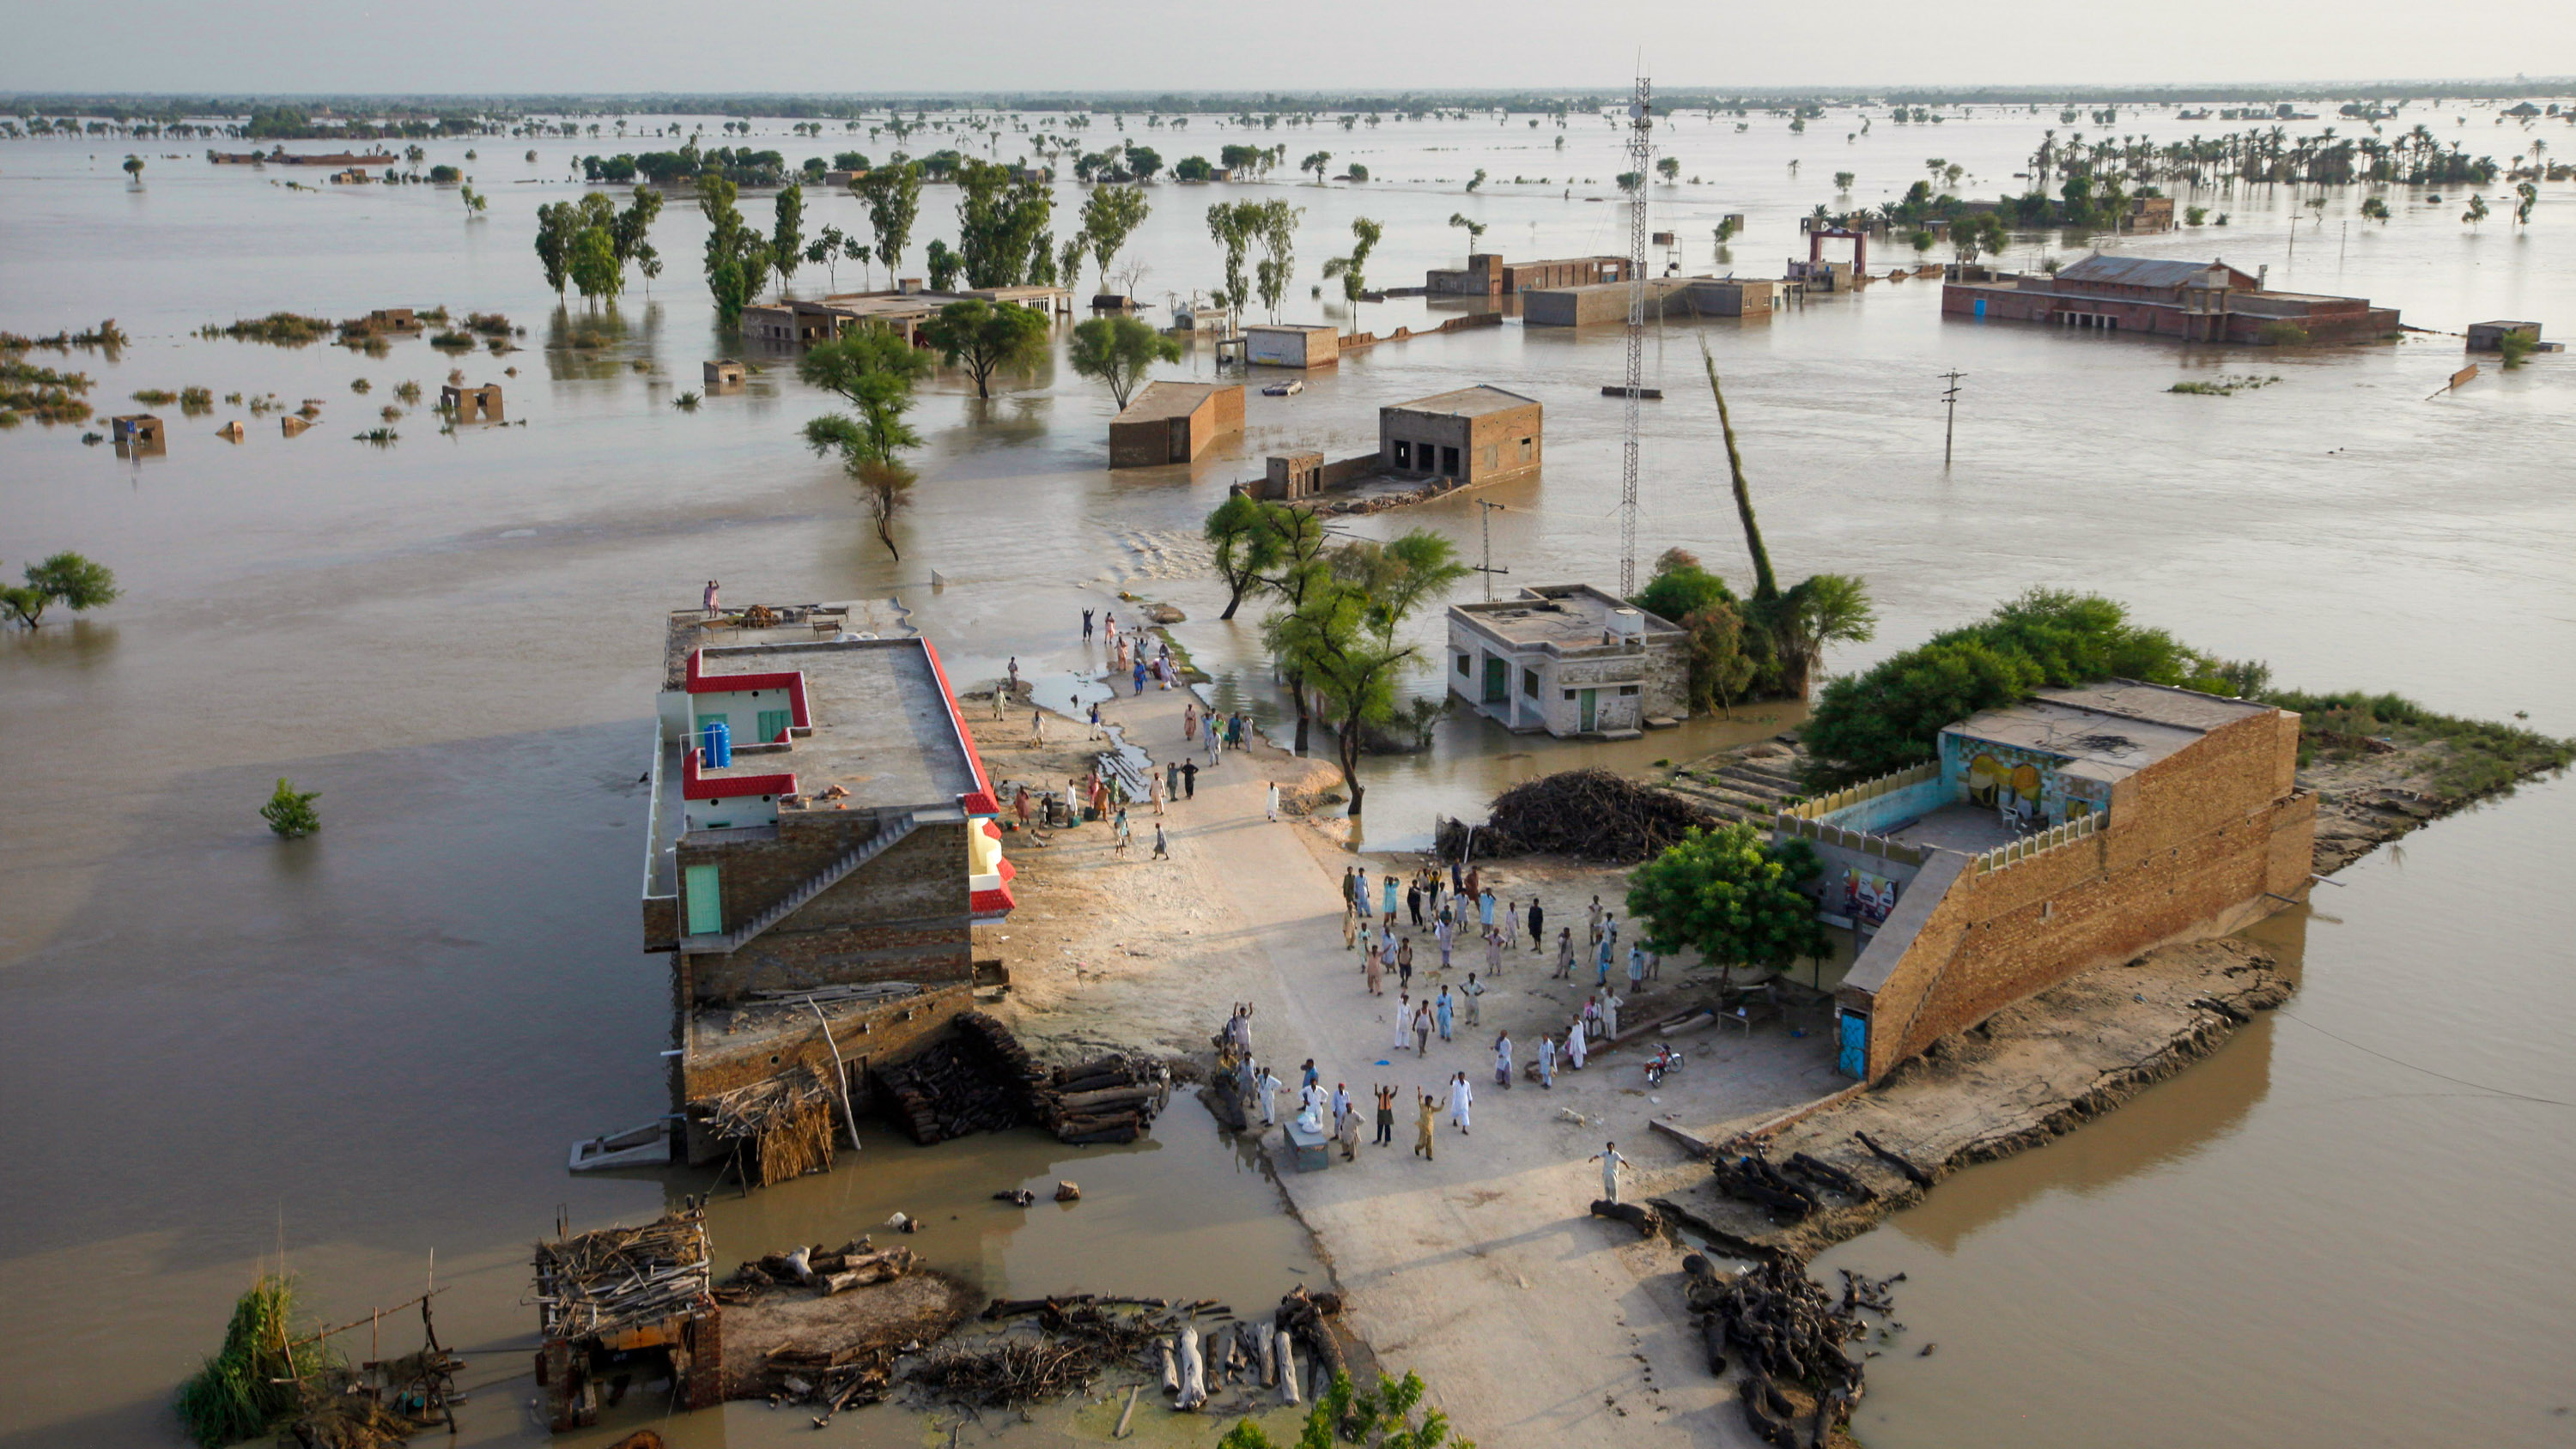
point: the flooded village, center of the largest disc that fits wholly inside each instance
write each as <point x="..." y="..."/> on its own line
<point x="1613" y="765"/>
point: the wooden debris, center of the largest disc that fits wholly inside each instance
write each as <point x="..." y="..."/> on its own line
<point x="597" y="1282"/>
<point x="1785" y="1336"/>
<point x="785" y="1123"/>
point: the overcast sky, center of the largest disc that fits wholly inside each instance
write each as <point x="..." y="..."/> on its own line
<point x="344" y="46"/>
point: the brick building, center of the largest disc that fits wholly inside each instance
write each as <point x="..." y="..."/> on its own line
<point x="1174" y="422"/>
<point x="1473" y="434"/>
<point x="2075" y="829"/>
<point x="1488" y="275"/>
<point x="822" y="826"/>
<point x="1285" y="344"/>
<point x="2196" y="301"/>
<point x="1568" y="659"/>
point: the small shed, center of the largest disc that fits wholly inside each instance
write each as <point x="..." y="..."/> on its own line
<point x="471" y="404"/>
<point x="138" y="430"/>
<point x="722" y="375"/>
<point x="1294" y="476"/>
<point x="1174" y="422"/>
<point x="628" y="1301"/>
<point x="2490" y="336"/>
<point x="393" y="319"/>
<point x="1292" y="345"/>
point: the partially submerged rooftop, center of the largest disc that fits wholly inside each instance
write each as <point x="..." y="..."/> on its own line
<point x="1466" y="402"/>
<point x="1170" y="400"/>
<point x="2108" y="730"/>
<point x="1562" y="616"/>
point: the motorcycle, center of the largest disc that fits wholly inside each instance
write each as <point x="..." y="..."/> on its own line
<point x="1664" y="1062"/>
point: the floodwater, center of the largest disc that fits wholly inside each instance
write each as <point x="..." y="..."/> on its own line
<point x="378" y="1043"/>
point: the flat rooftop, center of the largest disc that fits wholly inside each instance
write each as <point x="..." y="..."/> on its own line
<point x="2110" y="730"/>
<point x="1291" y="327"/>
<point x="1466" y="402"/>
<point x="1170" y="400"/>
<point x="1565" y="616"/>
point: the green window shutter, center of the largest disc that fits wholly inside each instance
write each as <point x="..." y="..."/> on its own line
<point x="773" y="723"/>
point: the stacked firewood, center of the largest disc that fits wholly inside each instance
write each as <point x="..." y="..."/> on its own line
<point x="598" y="1282"/>
<point x="1793" y="1188"/>
<point x="1107" y="1099"/>
<point x="978" y="1079"/>
<point x="852" y="1265"/>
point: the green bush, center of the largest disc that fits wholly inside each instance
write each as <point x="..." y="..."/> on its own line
<point x="1891" y="717"/>
<point x="290" y="812"/>
<point x="250" y="1386"/>
<point x="2282" y="334"/>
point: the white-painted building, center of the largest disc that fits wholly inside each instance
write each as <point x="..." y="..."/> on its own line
<point x="1568" y="659"/>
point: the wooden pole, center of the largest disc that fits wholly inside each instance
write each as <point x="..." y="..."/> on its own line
<point x="840" y="1073"/>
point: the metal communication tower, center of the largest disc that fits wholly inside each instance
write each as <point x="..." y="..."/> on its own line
<point x="1641" y="166"/>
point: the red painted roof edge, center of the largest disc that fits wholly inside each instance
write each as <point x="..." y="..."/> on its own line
<point x="980" y="800"/>
<point x="793" y="681"/>
<point x="995" y="902"/>
<point x="693" y="787"/>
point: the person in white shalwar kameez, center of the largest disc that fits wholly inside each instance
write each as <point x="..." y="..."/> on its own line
<point x="1610" y="1161"/>
<point x="1461" y="1097"/>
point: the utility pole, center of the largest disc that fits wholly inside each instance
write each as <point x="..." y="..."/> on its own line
<point x="1486" y="517"/>
<point x="1950" y="403"/>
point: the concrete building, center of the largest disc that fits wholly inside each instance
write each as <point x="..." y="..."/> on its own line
<point x="821" y="826"/>
<point x="721" y="375"/>
<point x="1474" y="435"/>
<point x="1667" y="297"/>
<point x="1568" y="659"/>
<point x="2076" y="829"/>
<point x="1174" y="422"/>
<point x="1291" y="345"/>
<point x="2196" y="301"/>
<point x="471" y="404"/>
<point x="393" y="319"/>
<point x="1488" y="275"/>
<point x="138" y="433"/>
<point x="799" y="323"/>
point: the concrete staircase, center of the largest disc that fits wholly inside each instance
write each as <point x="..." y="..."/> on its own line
<point x="826" y="878"/>
<point x="1736" y="788"/>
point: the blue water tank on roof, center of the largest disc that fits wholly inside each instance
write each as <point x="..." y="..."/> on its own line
<point x="719" y="746"/>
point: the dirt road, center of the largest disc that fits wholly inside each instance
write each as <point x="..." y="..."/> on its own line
<point x="1481" y="1269"/>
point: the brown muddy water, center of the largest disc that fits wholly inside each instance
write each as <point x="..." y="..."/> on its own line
<point x="2347" y="1227"/>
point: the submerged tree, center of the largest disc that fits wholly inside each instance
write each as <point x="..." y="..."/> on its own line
<point x="68" y="579"/>
<point x="1352" y="269"/>
<point x="1475" y="230"/>
<point x="737" y="257"/>
<point x="289" y="811"/>
<point x="1110" y="215"/>
<point x="893" y="197"/>
<point x="1119" y="351"/>
<point x="787" y="235"/>
<point x="987" y="337"/>
<point x="1245" y="543"/>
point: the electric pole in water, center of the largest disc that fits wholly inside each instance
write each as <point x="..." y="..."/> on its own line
<point x="1950" y="425"/>
<point x="1486" y="514"/>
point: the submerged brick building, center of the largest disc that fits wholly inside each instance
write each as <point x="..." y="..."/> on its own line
<point x="2195" y="301"/>
<point x="2075" y="829"/>
<point x="821" y="844"/>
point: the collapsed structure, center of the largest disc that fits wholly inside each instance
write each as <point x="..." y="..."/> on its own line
<point x="793" y="322"/>
<point x="2195" y="301"/>
<point x="2080" y="827"/>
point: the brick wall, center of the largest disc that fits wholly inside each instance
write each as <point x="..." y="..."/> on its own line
<point x="903" y="916"/>
<point x="2202" y="843"/>
<point x="869" y="1041"/>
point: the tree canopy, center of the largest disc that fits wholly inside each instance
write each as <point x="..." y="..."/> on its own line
<point x="68" y="579"/>
<point x="1110" y="215"/>
<point x="1119" y="351"/>
<point x="893" y="198"/>
<point x="1731" y="896"/>
<point x="987" y="337"/>
<point x="1339" y="639"/>
<point x="737" y="257"/>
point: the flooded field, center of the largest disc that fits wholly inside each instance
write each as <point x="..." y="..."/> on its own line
<point x="379" y="1044"/>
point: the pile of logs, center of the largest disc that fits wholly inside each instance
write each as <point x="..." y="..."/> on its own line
<point x="1793" y="1188"/>
<point x="1079" y="1336"/>
<point x="979" y="1079"/>
<point x="1588" y="814"/>
<point x="852" y="1265"/>
<point x="1786" y="1337"/>
<point x="1107" y="1099"/>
